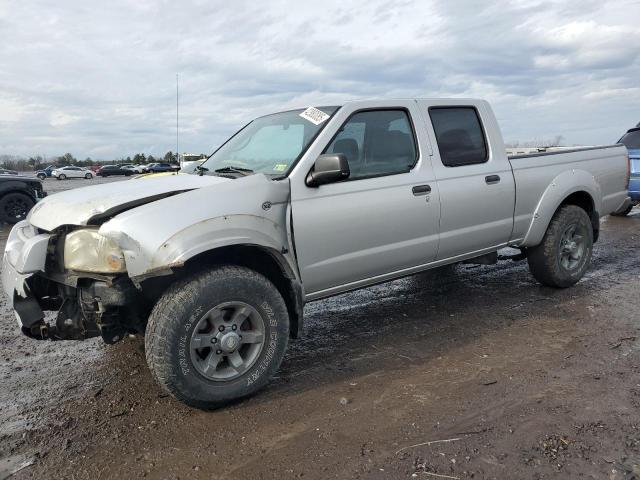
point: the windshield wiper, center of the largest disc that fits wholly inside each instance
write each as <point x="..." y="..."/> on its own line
<point x="238" y="170"/>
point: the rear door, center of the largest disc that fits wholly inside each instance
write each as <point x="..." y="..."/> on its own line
<point x="477" y="189"/>
<point x="383" y="218"/>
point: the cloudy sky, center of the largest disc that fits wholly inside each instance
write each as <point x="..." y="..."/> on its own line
<point x="98" y="78"/>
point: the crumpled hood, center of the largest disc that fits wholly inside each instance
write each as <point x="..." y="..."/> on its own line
<point x="79" y="206"/>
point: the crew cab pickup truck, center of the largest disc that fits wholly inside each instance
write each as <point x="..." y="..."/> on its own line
<point x="214" y="269"/>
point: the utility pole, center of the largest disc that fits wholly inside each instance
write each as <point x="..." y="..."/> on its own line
<point x="177" y="111"/>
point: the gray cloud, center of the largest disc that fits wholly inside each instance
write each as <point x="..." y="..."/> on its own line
<point x="98" y="78"/>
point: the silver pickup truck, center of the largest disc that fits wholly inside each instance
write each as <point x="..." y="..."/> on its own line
<point x="215" y="268"/>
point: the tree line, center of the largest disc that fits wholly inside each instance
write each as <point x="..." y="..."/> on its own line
<point x="38" y="162"/>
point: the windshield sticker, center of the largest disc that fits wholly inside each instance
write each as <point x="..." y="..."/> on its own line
<point x="280" y="167"/>
<point x="314" y="115"/>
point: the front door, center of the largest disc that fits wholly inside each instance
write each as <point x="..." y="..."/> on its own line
<point x="382" y="219"/>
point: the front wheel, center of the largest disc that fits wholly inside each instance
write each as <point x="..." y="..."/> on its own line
<point x="565" y="252"/>
<point x="217" y="336"/>
<point x="15" y="207"/>
<point x="62" y="176"/>
<point x="41" y="176"/>
<point x="88" y="176"/>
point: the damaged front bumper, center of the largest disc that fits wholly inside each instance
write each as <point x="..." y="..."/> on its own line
<point x="86" y="306"/>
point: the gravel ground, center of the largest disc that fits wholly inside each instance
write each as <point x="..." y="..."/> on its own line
<point x="473" y="372"/>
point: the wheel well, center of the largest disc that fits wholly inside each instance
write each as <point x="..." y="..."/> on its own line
<point x="260" y="259"/>
<point x="26" y="193"/>
<point x="583" y="200"/>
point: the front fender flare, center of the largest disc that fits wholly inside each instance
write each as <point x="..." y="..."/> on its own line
<point x="200" y="237"/>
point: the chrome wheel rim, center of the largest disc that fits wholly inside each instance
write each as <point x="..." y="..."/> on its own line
<point x="227" y="341"/>
<point x="572" y="247"/>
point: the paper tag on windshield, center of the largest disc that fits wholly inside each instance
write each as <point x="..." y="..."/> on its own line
<point x="314" y="115"/>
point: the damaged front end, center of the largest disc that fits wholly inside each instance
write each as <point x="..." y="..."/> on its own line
<point x="87" y="304"/>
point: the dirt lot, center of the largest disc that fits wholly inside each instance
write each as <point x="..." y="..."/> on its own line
<point x="476" y="372"/>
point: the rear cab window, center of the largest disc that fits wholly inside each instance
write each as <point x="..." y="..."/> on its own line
<point x="459" y="135"/>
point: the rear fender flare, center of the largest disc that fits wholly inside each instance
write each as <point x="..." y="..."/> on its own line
<point x="559" y="189"/>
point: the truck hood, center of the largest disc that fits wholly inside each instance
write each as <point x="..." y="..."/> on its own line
<point x="91" y="205"/>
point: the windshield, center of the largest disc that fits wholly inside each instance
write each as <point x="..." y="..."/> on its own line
<point x="269" y="144"/>
<point x="631" y="140"/>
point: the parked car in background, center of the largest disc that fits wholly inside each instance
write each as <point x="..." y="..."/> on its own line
<point x="4" y="171"/>
<point x="215" y="270"/>
<point x="109" y="170"/>
<point x="17" y="195"/>
<point x="146" y="168"/>
<point x="631" y="140"/>
<point x="134" y="168"/>
<point x="62" y="173"/>
<point x="163" y="167"/>
<point x="45" y="172"/>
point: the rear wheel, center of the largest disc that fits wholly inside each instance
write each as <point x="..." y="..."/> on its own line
<point x="217" y="336"/>
<point x="88" y="176"/>
<point x="14" y="207"/>
<point x="565" y="252"/>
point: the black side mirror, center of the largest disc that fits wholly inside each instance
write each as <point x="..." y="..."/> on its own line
<point x="329" y="168"/>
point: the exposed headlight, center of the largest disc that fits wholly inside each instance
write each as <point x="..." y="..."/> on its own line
<point x="87" y="251"/>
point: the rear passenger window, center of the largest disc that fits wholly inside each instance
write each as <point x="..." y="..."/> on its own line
<point x="459" y="135"/>
<point x="376" y="143"/>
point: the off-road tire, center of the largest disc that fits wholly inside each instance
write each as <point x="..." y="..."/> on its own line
<point x="544" y="259"/>
<point x="622" y="213"/>
<point x="176" y="315"/>
<point x="15" y="207"/>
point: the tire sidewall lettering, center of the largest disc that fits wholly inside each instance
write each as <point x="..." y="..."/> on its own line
<point x="183" y="343"/>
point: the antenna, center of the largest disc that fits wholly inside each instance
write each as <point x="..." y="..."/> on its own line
<point x="177" y="112"/>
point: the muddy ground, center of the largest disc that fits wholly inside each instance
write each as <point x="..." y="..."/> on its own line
<point x="476" y="372"/>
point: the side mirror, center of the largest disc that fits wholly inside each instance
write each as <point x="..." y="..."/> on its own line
<point x="329" y="168"/>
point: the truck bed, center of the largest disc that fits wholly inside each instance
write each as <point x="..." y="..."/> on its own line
<point x="538" y="172"/>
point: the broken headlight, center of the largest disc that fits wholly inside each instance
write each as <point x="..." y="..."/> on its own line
<point x="86" y="250"/>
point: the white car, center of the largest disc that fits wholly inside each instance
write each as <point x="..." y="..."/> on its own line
<point x="62" y="173"/>
<point x="135" y="168"/>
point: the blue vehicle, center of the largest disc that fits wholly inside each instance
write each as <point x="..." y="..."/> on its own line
<point x="631" y="140"/>
<point x="162" y="167"/>
<point x="42" y="174"/>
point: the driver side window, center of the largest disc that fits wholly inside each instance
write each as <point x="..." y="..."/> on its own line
<point x="376" y="143"/>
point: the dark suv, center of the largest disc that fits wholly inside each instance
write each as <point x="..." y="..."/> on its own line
<point x="18" y="195"/>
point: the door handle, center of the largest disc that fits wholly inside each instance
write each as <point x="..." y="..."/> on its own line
<point x="492" y="179"/>
<point x="421" y="190"/>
